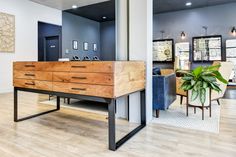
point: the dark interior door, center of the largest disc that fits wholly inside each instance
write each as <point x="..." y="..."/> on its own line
<point x="52" y="48"/>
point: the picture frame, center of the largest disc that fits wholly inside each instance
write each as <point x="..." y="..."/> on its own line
<point x="95" y="48"/>
<point x="75" y="44"/>
<point x="207" y="48"/>
<point x="163" y="51"/>
<point x="86" y="46"/>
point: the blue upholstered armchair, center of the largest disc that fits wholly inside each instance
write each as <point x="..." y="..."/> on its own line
<point x="164" y="91"/>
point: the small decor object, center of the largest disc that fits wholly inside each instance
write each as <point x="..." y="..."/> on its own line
<point x="200" y="81"/>
<point x="207" y="48"/>
<point x="96" y="58"/>
<point x="95" y="47"/>
<point x="163" y="50"/>
<point x="86" y="47"/>
<point x="86" y="58"/>
<point x="75" y="44"/>
<point x="7" y="32"/>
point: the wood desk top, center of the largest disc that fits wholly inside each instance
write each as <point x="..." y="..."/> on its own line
<point x="108" y="79"/>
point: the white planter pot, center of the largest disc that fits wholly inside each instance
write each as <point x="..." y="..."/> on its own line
<point x="197" y="102"/>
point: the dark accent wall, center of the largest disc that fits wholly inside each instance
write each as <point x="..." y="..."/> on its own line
<point x="47" y="30"/>
<point x="108" y="41"/>
<point x="219" y="20"/>
<point x="80" y="29"/>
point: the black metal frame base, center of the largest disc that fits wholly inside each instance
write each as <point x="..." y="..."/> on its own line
<point x="113" y="145"/>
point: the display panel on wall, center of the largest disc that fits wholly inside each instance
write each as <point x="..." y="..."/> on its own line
<point x="163" y="50"/>
<point x="7" y="32"/>
<point x="231" y="56"/>
<point x="207" y="48"/>
<point x="182" y="51"/>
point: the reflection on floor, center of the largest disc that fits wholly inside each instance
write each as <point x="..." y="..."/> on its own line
<point x="72" y="133"/>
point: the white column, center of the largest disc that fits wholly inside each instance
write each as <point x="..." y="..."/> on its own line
<point x="121" y="49"/>
<point x="140" y="48"/>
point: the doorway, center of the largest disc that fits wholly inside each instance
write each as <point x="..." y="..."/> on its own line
<point x="49" y="42"/>
<point x="51" y="50"/>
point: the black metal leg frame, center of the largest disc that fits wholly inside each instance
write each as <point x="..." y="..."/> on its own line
<point x="113" y="145"/>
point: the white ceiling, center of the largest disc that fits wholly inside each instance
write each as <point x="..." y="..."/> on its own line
<point x="66" y="4"/>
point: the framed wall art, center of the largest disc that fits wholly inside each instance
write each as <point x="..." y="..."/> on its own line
<point x="75" y="45"/>
<point x="182" y="55"/>
<point x="163" y="50"/>
<point x="95" y="48"/>
<point x="7" y="33"/>
<point x="86" y="46"/>
<point x="207" y="48"/>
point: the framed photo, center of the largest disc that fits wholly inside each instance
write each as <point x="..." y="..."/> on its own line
<point x="231" y="48"/>
<point x="207" y="48"/>
<point x="163" y="50"/>
<point x="75" y="45"/>
<point x="95" y="48"/>
<point x="86" y="46"/>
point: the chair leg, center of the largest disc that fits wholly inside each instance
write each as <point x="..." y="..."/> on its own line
<point x="203" y="112"/>
<point x="187" y="110"/>
<point x="157" y="113"/>
<point x="181" y="100"/>
<point x="194" y="110"/>
<point x="68" y="101"/>
<point x="218" y="101"/>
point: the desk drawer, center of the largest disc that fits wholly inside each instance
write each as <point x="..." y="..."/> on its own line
<point x="96" y="67"/>
<point x="88" y="78"/>
<point x="84" y="89"/>
<point x="33" y="84"/>
<point x="33" y="75"/>
<point x="24" y="66"/>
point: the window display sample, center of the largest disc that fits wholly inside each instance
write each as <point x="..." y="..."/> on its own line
<point x="231" y="56"/>
<point x="208" y="48"/>
<point x="163" y="50"/>
<point x="182" y="55"/>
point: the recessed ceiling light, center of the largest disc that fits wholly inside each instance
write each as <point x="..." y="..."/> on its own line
<point x="188" y="3"/>
<point x="74" y="6"/>
<point x="104" y="17"/>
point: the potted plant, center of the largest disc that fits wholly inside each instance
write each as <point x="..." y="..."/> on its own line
<point x="200" y="81"/>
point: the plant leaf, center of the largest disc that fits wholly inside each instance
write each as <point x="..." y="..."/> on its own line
<point x="202" y="95"/>
<point x="194" y="95"/>
<point x="197" y="71"/>
<point x="220" y="77"/>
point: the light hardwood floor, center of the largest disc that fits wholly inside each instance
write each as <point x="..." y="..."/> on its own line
<point x="72" y="133"/>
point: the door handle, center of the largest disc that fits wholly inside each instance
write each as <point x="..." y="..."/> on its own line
<point x="31" y="84"/>
<point x="79" y="66"/>
<point x="79" y="78"/>
<point x="29" y="66"/>
<point x="29" y="74"/>
<point x="80" y="89"/>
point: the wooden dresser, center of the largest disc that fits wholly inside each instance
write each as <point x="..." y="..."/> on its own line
<point x="105" y="81"/>
<point x="101" y="79"/>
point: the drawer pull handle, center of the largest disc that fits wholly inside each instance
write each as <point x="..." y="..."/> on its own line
<point x="29" y="66"/>
<point x="29" y="74"/>
<point x="78" y="66"/>
<point x="81" y="89"/>
<point x="80" y="78"/>
<point x="31" y="84"/>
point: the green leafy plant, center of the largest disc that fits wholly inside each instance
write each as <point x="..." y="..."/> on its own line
<point x="201" y="78"/>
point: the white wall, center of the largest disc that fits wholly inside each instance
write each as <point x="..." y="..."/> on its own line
<point x="140" y="31"/>
<point x="27" y="14"/>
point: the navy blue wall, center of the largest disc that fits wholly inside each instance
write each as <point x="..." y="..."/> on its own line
<point x="80" y="29"/>
<point x="47" y="30"/>
<point x="108" y="41"/>
<point x="219" y="19"/>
